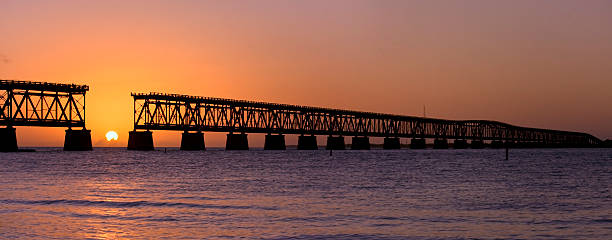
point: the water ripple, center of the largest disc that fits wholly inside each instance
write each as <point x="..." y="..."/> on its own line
<point x="129" y="204"/>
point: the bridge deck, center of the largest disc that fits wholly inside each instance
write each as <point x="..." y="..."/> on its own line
<point x="43" y="86"/>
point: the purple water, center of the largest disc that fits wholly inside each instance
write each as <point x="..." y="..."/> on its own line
<point x="403" y="194"/>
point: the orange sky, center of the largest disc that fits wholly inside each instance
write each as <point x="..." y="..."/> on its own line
<point x="533" y="63"/>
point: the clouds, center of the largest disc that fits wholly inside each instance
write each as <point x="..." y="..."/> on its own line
<point x="4" y="59"/>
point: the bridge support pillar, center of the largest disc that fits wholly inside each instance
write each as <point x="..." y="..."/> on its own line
<point x="335" y="143"/>
<point x="523" y="144"/>
<point x="440" y="144"/>
<point x="535" y="144"/>
<point x="193" y="141"/>
<point x="8" y="140"/>
<point x="391" y="143"/>
<point x="460" y="144"/>
<point x="307" y="143"/>
<point x="140" y="141"/>
<point x="275" y="142"/>
<point x="477" y="144"/>
<point x="497" y="144"/>
<point x="557" y="145"/>
<point x="538" y="144"/>
<point x="237" y="142"/>
<point x="360" y="143"/>
<point x="77" y="140"/>
<point x="417" y="143"/>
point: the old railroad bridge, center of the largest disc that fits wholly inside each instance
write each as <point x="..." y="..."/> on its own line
<point x="195" y="115"/>
<point x="63" y="105"/>
<point x="46" y="105"/>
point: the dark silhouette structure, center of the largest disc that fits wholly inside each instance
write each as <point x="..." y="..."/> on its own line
<point x="25" y="103"/>
<point x="192" y="114"/>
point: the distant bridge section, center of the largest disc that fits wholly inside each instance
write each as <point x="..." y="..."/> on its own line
<point x="158" y="111"/>
<point x="25" y="103"/>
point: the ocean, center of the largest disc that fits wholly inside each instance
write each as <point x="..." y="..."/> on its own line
<point x="112" y="193"/>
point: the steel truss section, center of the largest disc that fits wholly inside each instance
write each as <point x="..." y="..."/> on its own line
<point x="158" y="111"/>
<point x="25" y="103"/>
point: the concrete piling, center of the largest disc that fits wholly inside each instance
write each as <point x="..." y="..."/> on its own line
<point x="275" y="142"/>
<point x="497" y="144"/>
<point x="335" y="143"/>
<point x="307" y="143"/>
<point x="77" y="140"/>
<point x="140" y="141"/>
<point x="477" y="144"/>
<point x="360" y="143"/>
<point x="237" y="142"/>
<point x="391" y="143"/>
<point x="193" y="141"/>
<point x="460" y="144"/>
<point x="8" y="140"/>
<point x="440" y="144"/>
<point x="417" y="143"/>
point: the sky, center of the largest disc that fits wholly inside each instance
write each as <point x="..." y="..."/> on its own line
<point x="541" y="64"/>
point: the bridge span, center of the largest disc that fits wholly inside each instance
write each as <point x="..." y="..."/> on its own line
<point x="194" y="115"/>
<point x="25" y="103"/>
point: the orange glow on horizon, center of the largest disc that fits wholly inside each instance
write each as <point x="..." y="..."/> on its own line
<point x="523" y="63"/>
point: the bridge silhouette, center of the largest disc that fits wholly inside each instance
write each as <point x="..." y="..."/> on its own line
<point x="25" y="103"/>
<point x="194" y="115"/>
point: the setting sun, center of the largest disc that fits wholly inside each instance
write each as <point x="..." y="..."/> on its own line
<point x="111" y="136"/>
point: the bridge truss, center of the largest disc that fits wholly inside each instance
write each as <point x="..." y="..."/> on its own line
<point x="158" y="111"/>
<point x="25" y="103"/>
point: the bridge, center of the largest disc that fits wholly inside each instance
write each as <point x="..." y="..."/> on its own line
<point x="194" y="115"/>
<point x="25" y="103"/>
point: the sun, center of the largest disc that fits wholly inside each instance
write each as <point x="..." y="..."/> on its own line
<point x="111" y="136"/>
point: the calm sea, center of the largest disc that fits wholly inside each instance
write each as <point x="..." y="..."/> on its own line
<point x="403" y="194"/>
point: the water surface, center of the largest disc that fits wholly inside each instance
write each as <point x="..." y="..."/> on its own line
<point x="402" y="194"/>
